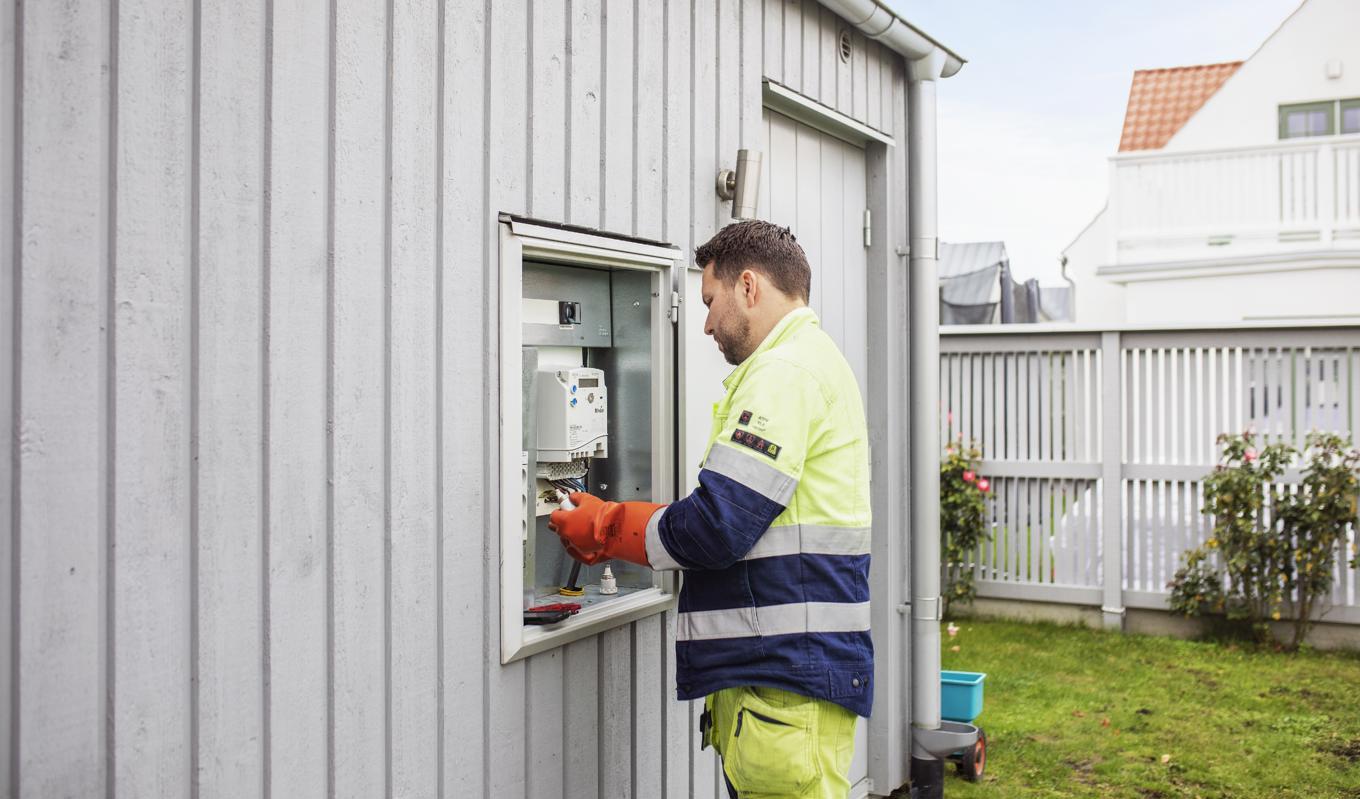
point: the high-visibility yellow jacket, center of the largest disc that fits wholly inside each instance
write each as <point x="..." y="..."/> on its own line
<point x="775" y="540"/>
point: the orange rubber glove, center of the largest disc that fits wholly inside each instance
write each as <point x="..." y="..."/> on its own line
<point x="576" y="527"/>
<point x="596" y="530"/>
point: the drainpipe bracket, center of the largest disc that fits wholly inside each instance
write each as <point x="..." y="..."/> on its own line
<point x="926" y="609"/>
<point x="925" y="247"/>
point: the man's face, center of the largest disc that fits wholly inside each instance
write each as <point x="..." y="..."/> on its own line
<point x="727" y="321"/>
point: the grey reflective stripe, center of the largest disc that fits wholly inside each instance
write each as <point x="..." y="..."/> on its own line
<point x="657" y="555"/>
<point x="812" y="539"/>
<point x="762" y="478"/>
<point x="798" y="617"/>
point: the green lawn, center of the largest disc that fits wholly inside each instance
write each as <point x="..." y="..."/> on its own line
<point x="1071" y="712"/>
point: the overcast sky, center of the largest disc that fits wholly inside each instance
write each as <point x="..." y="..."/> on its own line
<point x="1027" y="125"/>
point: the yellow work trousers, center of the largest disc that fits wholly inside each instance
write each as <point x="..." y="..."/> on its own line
<point x="775" y="744"/>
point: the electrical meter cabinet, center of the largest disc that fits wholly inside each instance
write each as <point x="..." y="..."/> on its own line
<point x="589" y="352"/>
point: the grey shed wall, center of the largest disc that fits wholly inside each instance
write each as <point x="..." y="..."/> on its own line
<point x="251" y="544"/>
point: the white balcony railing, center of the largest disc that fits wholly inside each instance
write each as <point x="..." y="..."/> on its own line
<point x="1214" y="204"/>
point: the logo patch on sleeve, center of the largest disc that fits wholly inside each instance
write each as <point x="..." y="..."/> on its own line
<point x="745" y="417"/>
<point x="755" y="442"/>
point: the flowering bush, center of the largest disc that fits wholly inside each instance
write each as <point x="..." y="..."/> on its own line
<point x="1314" y="521"/>
<point x="963" y="520"/>
<point x="1197" y="588"/>
<point x="1276" y="548"/>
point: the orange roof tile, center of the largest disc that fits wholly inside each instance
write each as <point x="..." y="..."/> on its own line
<point x="1162" y="100"/>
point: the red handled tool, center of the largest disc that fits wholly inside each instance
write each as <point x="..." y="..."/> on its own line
<point x="551" y="613"/>
<point x="570" y="607"/>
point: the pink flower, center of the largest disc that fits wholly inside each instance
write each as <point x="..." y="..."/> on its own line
<point x="949" y="450"/>
<point x="983" y="485"/>
<point x="968" y="477"/>
<point x="1249" y="456"/>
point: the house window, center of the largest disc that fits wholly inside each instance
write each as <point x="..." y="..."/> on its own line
<point x="1350" y="116"/>
<point x="1307" y="119"/>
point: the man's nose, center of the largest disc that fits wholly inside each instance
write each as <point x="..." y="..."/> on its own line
<point x="708" y="325"/>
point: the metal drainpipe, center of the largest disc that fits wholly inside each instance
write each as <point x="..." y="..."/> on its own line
<point x="927" y="770"/>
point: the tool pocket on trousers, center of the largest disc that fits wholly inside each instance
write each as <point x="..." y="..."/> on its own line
<point x="771" y="750"/>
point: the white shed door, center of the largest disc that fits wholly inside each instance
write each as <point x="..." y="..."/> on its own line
<point x="814" y="184"/>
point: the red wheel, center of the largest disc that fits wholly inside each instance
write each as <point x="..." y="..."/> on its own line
<point x="974" y="759"/>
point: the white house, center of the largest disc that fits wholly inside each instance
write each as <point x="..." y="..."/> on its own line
<point x="1235" y="194"/>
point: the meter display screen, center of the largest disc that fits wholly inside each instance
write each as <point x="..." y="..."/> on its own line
<point x="589" y="382"/>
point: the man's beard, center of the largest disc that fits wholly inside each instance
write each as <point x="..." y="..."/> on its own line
<point x="734" y="340"/>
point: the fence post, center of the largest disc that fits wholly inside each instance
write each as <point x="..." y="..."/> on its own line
<point x="1112" y="480"/>
<point x="1326" y="193"/>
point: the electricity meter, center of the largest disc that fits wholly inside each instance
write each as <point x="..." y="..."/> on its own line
<point x="573" y="415"/>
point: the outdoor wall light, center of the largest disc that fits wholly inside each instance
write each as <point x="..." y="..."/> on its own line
<point x="742" y="187"/>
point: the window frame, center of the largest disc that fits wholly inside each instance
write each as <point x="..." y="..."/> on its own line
<point x="1330" y="106"/>
<point x="1346" y="105"/>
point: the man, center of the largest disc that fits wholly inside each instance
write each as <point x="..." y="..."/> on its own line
<point x="773" y="628"/>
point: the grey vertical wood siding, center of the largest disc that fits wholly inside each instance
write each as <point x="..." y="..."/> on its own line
<point x="250" y="538"/>
<point x="802" y="51"/>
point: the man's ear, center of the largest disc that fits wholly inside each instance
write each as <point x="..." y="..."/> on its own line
<point x="750" y="287"/>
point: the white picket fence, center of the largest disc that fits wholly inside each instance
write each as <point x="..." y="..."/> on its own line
<point x="1096" y="443"/>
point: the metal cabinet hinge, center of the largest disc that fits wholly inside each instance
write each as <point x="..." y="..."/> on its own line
<point x="868" y="228"/>
<point x="674" y="312"/>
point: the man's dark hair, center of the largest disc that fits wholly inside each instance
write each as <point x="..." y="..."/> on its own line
<point x="761" y="246"/>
